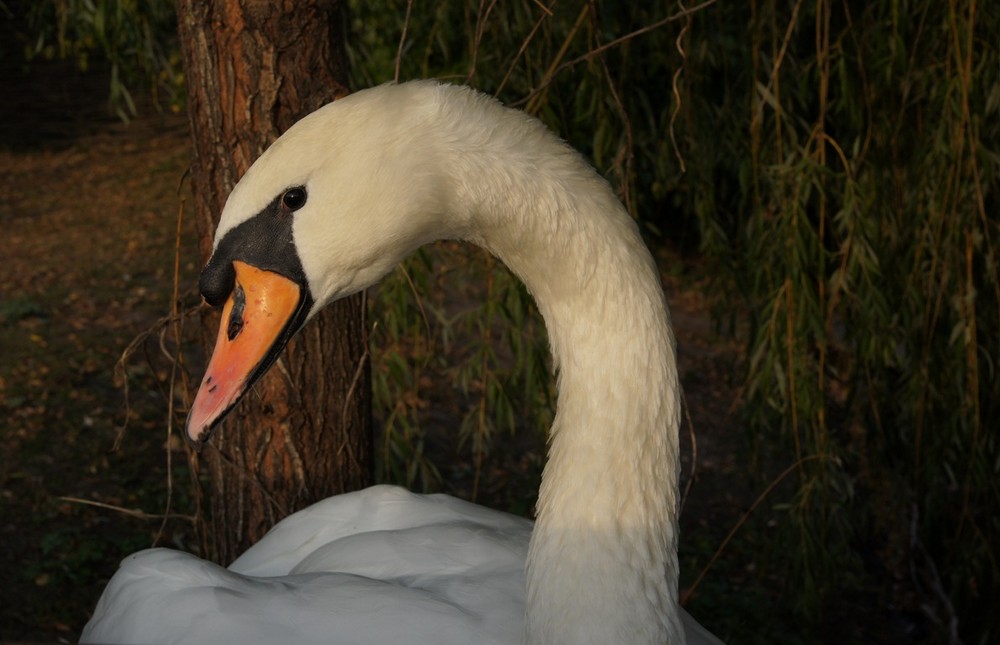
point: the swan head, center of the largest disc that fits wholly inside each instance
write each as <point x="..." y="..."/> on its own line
<point x="332" y="206"/>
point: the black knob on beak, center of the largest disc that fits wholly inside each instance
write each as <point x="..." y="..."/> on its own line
<point x="217" y="279"/>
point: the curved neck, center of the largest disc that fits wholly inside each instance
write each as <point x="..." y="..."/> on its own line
<point x="602" y="564"/>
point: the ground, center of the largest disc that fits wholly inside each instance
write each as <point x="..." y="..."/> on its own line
<point x="89" y="209"/>
<point x="89" y="230"/>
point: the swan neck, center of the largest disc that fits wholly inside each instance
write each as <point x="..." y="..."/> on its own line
<point x="602" y="564"/>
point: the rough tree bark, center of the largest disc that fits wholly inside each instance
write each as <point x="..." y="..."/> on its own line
<point x="253" y="68"/>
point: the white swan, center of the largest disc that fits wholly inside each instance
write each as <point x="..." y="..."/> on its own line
<point x="326" y="211"/>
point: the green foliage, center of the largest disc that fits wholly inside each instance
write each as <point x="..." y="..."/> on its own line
<point x="839" y="165"/>
<point x="136" y="39"/>
<point x="450" y="301"/>
<point x="855" y="209"/>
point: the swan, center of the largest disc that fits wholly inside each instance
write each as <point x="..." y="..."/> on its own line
<point x="331" y="207"/>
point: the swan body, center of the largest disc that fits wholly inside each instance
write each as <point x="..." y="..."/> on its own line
<point x="327" y="210"/>
<point x="440" y="569"/>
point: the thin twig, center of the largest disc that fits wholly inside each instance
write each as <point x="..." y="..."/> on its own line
<point x="350" y="390"/>
<point x="694" y="450"/>
<point x="402" y="39"/>
<point x="533" y="99"/>
<point x="547" y="10"/>
<point x="417" y="298"/>
<point x="174" y="364"/>
<point x="624" y="157"/>
<point x="739" y="524"/>
<point x="244" y="474"/>
<point x="679" y="44"/>
<point x="130" y="349"/>
<point x="548" y="78"/>
<point x="524" y="45"/>
<point x="481" y="19"/>
<point x="131" y="512"/>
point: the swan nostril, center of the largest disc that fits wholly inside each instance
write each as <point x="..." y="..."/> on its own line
<point x="217" y="280"/>
<point x="236" y="322"/>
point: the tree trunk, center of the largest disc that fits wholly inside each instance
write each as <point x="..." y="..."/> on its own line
<point x="253" y="68"/>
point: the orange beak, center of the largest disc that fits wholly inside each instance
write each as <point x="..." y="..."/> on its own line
<point x="255" y="327"/>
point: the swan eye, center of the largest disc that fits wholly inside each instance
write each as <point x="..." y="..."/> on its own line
<point x="294" y="198"/>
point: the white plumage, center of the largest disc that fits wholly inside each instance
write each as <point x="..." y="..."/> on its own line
<point x="387" y="170"/>
<point x="380" y="565"/>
